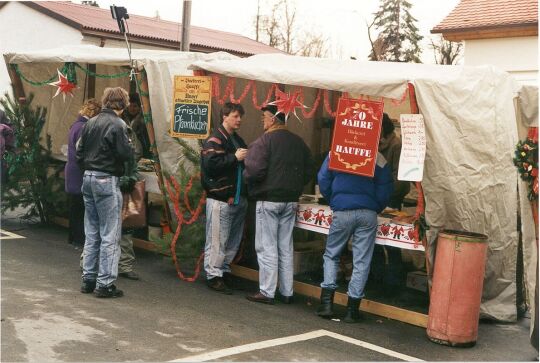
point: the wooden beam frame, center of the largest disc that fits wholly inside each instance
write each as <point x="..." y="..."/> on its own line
<point x="490" y="33"/>
<point x="369" y="306"/>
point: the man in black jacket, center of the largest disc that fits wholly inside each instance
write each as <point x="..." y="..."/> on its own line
<point x="278" y="165"/>
<point x="103" y="148"/>
<point x="222" y="163"/>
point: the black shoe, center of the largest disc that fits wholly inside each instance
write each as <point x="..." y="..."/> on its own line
<point x="353" y="315"/>
<point x="217" y="284"/>
<point x="129" y="275"/>
<point x="260" y="298"/>
<point x="88" y="286"/>
<point x="109" y="291"/>
<point x="228" y="279"/>
<point x="286" y="299"/>
<point x="326" y="309"/>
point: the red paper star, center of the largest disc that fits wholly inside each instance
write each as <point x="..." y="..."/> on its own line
<point x="287" y="103"/>
<point x="64" y="86"/>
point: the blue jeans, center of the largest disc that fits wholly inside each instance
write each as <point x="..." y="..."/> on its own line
<point x="362" y="225"/>
<point x="274" y="246"/>
<point x="103" y="227"/>
<point x="224" y="229"/>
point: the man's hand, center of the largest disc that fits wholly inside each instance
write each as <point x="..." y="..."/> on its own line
<point x="240" y="154"/>
<point x="126" y="184"/>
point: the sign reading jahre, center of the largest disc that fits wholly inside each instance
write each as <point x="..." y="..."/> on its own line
<point x="191" y="112"/>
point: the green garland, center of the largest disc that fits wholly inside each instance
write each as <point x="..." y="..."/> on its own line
<point x="108" y="76"/>
<point x="526" y="161"/>
<point x="69" y="70"/>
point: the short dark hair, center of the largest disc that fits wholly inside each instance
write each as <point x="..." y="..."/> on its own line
<point x="280" y="117"/>
<point x="387" y="125"/>
<point x="231" y="107"/>
<point x="134" y="98"/>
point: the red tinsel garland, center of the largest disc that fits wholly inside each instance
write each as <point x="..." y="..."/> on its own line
<point x="229" y="94"/>
<point x="175" y="198"/>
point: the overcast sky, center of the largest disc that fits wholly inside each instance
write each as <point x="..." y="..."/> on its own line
<point x="343" y="22"/>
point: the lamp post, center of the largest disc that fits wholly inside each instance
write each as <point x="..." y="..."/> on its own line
<point x="186" y="22"/>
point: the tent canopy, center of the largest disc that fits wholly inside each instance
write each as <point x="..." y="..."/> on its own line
<point x="471" y="129"/>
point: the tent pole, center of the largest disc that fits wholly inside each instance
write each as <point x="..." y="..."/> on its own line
<point x="420" y="208"/>
<point x="146" y="108"/>
<point x="18" y="88"/>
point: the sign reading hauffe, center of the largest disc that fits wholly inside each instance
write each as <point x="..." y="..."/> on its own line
<point x="192" y="97"/>
<point x="356" y="136"/>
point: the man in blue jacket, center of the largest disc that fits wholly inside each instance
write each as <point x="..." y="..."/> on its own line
<point x="355" y="201"/>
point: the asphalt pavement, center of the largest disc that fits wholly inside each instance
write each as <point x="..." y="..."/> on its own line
<point x="44" y="317"/>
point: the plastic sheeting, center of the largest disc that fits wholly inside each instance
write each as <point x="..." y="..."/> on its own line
<point x="528" y="117"/>
<point x="469" y="178"/>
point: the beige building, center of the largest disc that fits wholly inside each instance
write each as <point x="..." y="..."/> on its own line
<point x="498" y="32"/>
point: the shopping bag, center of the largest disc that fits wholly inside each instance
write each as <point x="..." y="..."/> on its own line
<point x="134" y="207"/>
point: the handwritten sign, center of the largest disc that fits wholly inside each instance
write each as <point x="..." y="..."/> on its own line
<point x="192" y="97"/>
<point x="356" y="136"/>
<point x="413" y="148"/>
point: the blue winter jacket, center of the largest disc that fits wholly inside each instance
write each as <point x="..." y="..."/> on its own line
<point x="349" y="191"/>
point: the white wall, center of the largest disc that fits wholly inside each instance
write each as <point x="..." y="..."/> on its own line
<point x="518" y="55"/>
<point x="25" y="29"/>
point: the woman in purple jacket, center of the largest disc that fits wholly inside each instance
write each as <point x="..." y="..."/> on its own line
<point x="74" y="175"/>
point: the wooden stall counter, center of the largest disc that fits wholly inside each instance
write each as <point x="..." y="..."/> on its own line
<point x="315" y="217"/>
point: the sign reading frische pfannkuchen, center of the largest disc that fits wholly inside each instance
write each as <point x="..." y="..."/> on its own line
<point x="356" y="136"/>
<point x="192" y="97"/>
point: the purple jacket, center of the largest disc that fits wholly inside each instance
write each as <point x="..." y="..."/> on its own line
<point x="73" y="174"/>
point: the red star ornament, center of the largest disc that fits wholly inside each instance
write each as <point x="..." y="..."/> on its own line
<point x="287" y="103"/>
<point x="64" y="86"/>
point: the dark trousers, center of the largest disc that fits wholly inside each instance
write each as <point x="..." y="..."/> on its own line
<point x="76" y="219"/>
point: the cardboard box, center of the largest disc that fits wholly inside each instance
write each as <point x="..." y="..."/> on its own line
<point x="417" y="280"/>
<point x="307" y="261"/>
<point x="308" y="256"/>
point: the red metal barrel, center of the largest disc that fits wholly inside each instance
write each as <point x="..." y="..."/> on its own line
<point x="456" y="293"/>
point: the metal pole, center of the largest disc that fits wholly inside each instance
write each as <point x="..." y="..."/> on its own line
<point x="186" y="22"/>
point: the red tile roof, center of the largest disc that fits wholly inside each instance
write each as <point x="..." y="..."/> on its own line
<point x="489" y="14"/>
<point x="89" y="19"/>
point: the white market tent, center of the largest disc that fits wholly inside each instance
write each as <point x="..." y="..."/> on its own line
<point x="472" y="128"/>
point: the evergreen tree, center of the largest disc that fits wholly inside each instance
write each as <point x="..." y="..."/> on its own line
<point x="31" y="182"/>
<point x="398" y="38"/>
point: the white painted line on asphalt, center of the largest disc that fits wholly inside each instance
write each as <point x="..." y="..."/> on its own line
<point x="250" y="347"/>
<point x="293" y="339"/>
<point x="8" y="235"/>
<point x="373" y="347"/>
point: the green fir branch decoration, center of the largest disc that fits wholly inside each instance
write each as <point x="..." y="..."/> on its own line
<point x="526" y="161"/>
<point x="32" y="181"/>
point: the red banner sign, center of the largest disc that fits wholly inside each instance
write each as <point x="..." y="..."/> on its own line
<point x="356" y="136"/>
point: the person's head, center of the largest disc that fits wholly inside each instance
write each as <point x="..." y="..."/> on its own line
<point x="115" y="98"/>
<point x="387" y="125"/>
<point x="134" y="104"/>
<point x="90" y="108"/>
<point x="271" y="117"/>
<point x="231" y="116"/>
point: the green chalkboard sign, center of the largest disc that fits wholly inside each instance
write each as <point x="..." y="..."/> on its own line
<point x="191" y="119"/>
<point x="192" y="107"/>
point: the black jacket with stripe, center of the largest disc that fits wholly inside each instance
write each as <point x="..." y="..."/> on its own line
<point x="219" y="166"/>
